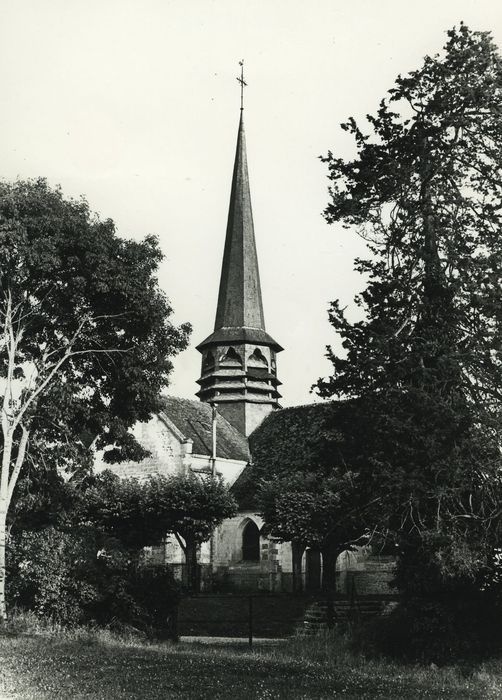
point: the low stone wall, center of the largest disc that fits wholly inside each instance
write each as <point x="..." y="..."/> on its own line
<point x="246" y="577"/>
<point x="372" y="576"/>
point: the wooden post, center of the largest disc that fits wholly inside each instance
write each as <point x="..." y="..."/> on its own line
<point x="250" y="621"/>
<point x="173" y="632"/>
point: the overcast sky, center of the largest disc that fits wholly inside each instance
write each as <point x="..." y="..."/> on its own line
<point x="135" y="104"/>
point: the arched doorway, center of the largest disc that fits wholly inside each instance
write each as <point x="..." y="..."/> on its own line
<point x="251" y="542"/>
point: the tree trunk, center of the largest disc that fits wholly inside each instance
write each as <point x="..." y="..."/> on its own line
<point x="3" y="538"/>
<point x="329" y="556"/>
<point x="4" y="494"/>
<point x="297" y="549"/>
<point x="192" y="567"/>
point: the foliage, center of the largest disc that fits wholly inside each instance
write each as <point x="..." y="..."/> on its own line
<point x="310" y="511"/>
<point x="86" y="338"/>
<point x="79" y="292"/>
<point x="63" y="576"/>
<point x="140" y="513"/>
<point x="120" y="510"/>
<point x="314" y="439"/>
<point x="313" y="489"/>
<point x="438" y="630"/>
<point x="189" y="506"/>
<point x="44" y="568"/>
<point x="43" y="497"/>
<point x="425" y="191"/>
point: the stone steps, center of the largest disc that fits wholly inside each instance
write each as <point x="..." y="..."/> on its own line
<point x="343" y="611"/>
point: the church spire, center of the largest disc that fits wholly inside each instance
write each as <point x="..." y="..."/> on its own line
<point x="239" y="298"/>
<point x="239" y="357"/>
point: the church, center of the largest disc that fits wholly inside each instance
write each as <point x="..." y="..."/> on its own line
<point x="238" y="387"/>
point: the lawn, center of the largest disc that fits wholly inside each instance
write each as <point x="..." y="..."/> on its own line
<point x="103" y="667"/>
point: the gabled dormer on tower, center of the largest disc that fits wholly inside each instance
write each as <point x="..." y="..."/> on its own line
<point x="239" y="357"/>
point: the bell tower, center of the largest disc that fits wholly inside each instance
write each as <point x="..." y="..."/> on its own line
<point x="239" y="371"/>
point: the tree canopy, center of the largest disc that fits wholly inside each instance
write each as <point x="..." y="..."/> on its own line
<point x="86" y="342"/>
<point x="140" y="513"/>
<point x="314" y="489"/>
<point x="425" y="191"/>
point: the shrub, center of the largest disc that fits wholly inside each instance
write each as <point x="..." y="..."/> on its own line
<point x="143" y="597"/>
<point x="429" y="630"/>
<point x="43" y="568"/>
<point x="64" y="577"/>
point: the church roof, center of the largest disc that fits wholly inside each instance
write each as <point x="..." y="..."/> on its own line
<point x="194" y="420"/>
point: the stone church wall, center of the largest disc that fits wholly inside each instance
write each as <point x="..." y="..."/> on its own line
<point x="167" y="453"/>
<point x="272" y="572"/>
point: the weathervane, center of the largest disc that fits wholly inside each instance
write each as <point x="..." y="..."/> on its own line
<point x="242" y="82"/>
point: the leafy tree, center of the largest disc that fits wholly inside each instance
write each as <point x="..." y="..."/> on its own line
<point x="43" y="497"/>
<point x="190" y="508"/>
<point x="120" y="510"/>
<point x="86" y="339"/>
<point x="310" y="513"/>
<point x="425" y="191"/>
<point x="141" y="513"/>
<point x="312" y="492"/>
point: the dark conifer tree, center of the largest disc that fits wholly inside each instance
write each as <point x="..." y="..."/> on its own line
<point x="425" y="191"/>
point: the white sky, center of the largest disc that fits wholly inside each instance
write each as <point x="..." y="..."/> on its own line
<point x="134" y="103"/>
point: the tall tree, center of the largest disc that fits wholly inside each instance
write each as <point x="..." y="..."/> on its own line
<point x="313" y="489"/>
<point x="425" y="191"/>
<point x="86" y="339"/>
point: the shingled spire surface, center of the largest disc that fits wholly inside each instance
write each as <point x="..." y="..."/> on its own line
<point x="239" y="299"/>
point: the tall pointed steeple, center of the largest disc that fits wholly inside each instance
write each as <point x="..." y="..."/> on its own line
<point x="239" y="299"/>
<point x="239" y="357"/>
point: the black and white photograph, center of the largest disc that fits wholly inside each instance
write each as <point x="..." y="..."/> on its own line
<point x="250" y="350"/>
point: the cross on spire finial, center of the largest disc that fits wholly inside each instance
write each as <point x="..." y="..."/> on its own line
<point x="242" y="82"/>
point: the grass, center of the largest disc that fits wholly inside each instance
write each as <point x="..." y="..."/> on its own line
<point x="38" y="663"/>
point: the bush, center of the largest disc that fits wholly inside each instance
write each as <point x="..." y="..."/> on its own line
<point x="430" y="630"/>
<point x="63" y="576"/>
<point x="43" y="568"/>
<point x="144" y="597"/>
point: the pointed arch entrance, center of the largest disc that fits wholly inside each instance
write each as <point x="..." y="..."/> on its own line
<point x="251" y="542"/>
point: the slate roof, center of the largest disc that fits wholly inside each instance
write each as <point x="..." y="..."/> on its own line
<point x="194" y="420"/>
